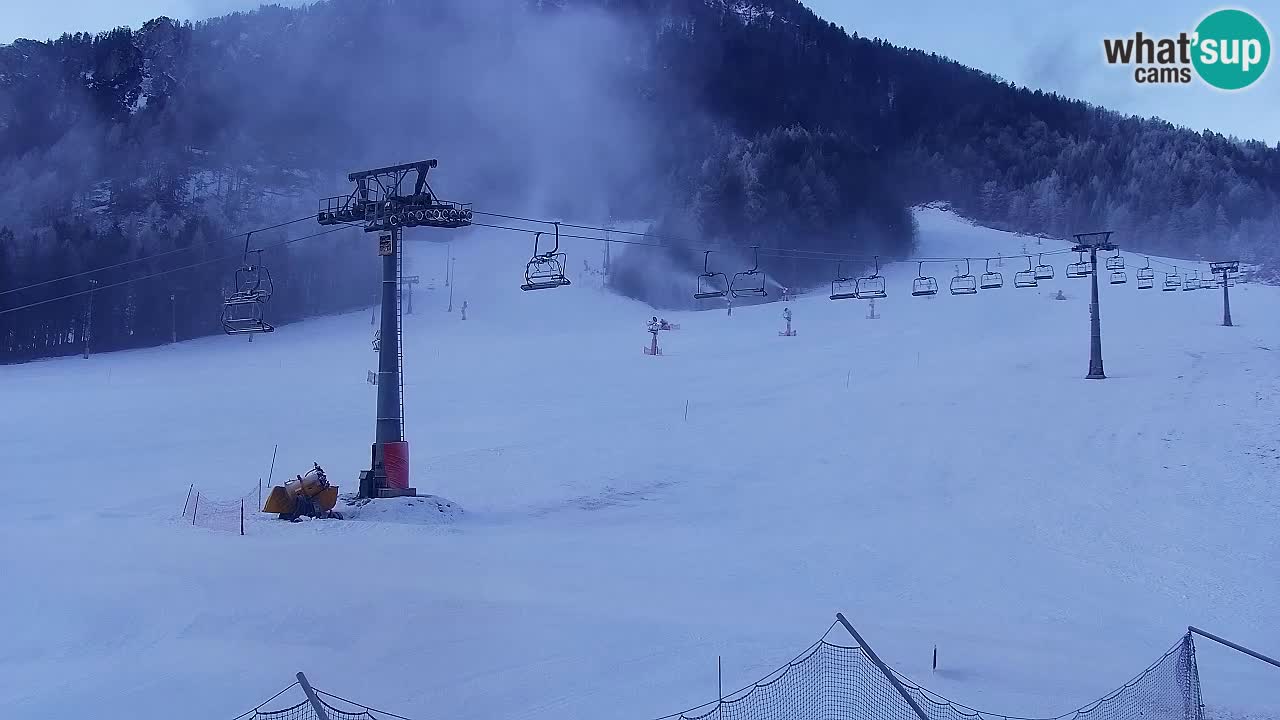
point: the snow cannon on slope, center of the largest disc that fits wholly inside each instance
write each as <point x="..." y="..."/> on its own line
<point x="308" y="495"/>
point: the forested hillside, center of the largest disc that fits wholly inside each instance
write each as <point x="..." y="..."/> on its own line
<point x="725" y="121"/>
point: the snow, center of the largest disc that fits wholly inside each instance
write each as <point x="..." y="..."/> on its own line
<point x="943" y="475"/>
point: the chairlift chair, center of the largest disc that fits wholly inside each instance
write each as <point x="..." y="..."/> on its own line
<point x="749" y="283"/>
<point x="1080" y="269"/>
<point x="243" y="308"/>
<point x="1043" y="272"/>
<point x="871" y="286"/>
<point x="965" y="284"/>
<point x="1115" y="262"/>
<point x="1208" y="283"/>
<point x="242" y="314"/>
<point x="843" y="287"/>
<point x="1172" y="281"/>
<point x="1118" y="277"/>
<point x="1191" y="282"/>
<point x="1146" y="277"/>
<point x="923" y="284"/>
<point x="545" y="270"/>
<point x="1025" y="278"/>
<point x="710" y="284"/>
<point x="991" y="279"/>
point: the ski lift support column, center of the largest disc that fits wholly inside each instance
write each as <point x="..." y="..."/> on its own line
<point x="1225" y="269"/>
<point x="381" y="205"/>
<point x="1092" y="243"/>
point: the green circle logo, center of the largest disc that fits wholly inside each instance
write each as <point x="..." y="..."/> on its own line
<point x="1232" y="49"/>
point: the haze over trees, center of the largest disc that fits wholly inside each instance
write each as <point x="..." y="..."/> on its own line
<point x="723" y="121"/>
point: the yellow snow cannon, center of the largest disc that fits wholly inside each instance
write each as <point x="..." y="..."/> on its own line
<point x="308" y="495"/>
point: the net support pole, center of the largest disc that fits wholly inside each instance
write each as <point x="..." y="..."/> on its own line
<point x="312" y="697"/>
<point x="719" y="689"/>
<point x="884" y="670"/>
<point x="1233" y="646"/>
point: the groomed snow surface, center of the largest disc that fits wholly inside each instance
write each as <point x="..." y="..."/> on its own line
<point x="943" y="475"/>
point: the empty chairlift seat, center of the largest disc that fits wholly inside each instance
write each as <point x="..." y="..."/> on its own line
<point x="243" y="314"/>
<point x="1082" y="268"/>
<point x="1146" y="277"/>
<point x="1043" y="272"/>
<point x="545" y="270"/>
<point x="749" y="283"/>
<point x="1115" y="262"/>
<point x="991" y="279"/>
<point x="965" y="284"/>
<point x="1118" y="277"/>
<point x="871" y="286"/>
<point x="923" y="285"/>
<point x="710" y="284"/>
<point x="842" y="286"/>
<point x="243" y="309"/>
<point x="1172" y="281"/>
<point x="1025" y="278"/>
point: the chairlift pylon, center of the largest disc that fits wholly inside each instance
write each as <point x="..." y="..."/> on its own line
<point x="1043" y="272"/>
<point x="843" y="287"/>
<point x="991" y="279"/>
<point x="744" y="283"/>
<point x="923" y="285"/>
<point x="1025" y="278"/>
<point x="871" y="286"/>
<point x="707" y="285"/>
<point x="545" y="270"/>
<point x="965" y="284"/>
<point x="1146" y="277"/>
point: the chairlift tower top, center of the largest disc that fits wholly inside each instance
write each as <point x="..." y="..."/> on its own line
<point x="1094" y="241"/>
<point x="381" y="202"/>
<point x="1225" y="268"/>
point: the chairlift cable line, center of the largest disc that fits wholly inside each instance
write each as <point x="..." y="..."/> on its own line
<point x="166" y="253"/>
<point x="687" y="245"/>
<point x="780" y="252"/>
<point x="793" y="253"/>
<point x="776" y="252"/>
<point x="236" y="256"/>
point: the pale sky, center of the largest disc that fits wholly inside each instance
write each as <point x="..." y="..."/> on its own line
<point x="1050" y="44"/>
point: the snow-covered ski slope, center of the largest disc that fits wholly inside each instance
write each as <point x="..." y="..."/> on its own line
<point x="943" y="475"/>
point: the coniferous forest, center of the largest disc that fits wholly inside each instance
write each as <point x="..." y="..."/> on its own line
<point x="746" y="123"/>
